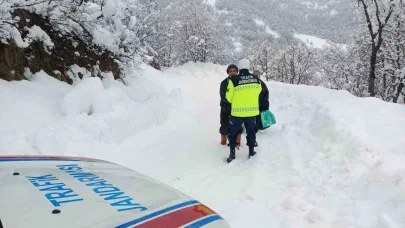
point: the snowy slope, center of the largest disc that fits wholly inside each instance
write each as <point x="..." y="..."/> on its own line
<point x="332" y="160"/>
<point x="281" y="19"/>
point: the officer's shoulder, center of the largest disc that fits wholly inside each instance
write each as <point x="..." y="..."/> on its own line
<point x="235" y="78"/>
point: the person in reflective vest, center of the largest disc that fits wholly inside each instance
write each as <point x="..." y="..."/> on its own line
<point x="243" y="93"/>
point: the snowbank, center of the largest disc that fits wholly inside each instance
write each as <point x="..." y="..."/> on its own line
<point x="355" y="162"/>
<point x="83" y="97"/>
<point x="52" y="117"/>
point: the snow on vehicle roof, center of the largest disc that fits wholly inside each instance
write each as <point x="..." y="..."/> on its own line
<point x="51" y="191"/>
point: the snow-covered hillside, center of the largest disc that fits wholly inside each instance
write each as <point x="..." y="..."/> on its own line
<point x="264" y="19"/>
<point x="332" y="160"/>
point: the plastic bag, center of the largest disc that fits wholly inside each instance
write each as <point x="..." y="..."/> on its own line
<point x="267" y="118"/>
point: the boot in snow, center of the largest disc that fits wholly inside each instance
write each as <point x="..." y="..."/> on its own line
<point x="252" y="151"/>
<point x="238" y="141"/>
<point x="223" y="139"/>
<point x="256" y="145"/>
<point x="231" y="154"/>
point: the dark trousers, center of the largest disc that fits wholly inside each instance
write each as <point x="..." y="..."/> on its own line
<point x="224" y="121"/>
<point x="236" y="124"/>
<point x="258" y="124"/>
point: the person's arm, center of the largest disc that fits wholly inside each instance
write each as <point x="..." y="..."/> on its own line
<point x="264" y="103"/>
<point x="222" y="93"/>
<point x="230" y="91"/>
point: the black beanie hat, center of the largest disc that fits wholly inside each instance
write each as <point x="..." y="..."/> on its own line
<point x="232" y="66"/>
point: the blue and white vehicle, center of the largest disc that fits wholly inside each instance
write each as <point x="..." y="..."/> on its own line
<point x="72" y="192"/>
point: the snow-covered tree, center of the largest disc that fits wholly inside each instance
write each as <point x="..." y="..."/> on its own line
<point x="121" y="26"/>
<point x="335" y="63"/>
<point x="190" y="31"/>
<point x="262" y="55"/>
<point x="347" y="67"/>
<point x="392" y="57"/>
<point x="296" y="65"/>
<point x="7" y="24"/>
<point x="377" y="14"/>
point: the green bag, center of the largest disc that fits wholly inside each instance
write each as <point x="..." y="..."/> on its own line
<point x="267" y="118"/>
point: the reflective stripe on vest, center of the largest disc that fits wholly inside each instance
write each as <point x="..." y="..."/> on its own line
<point x="249" y="86"/>
<point x="247" y="109"/>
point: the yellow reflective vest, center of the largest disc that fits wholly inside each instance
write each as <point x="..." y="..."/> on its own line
<point x="243" y="93"/>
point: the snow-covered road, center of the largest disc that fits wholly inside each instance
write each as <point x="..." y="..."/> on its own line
<point x="332" y="160"/>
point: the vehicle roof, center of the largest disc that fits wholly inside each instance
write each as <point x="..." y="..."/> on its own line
<point x="54" y="191"/>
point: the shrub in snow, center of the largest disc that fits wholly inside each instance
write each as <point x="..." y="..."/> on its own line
<point x="109" y="24"/>
<point x="90" y="29"/>
<point x="36" y="33"/>
<point x="62" y="55"/>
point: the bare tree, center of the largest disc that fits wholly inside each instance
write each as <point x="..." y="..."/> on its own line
<point x="393" y="56"/>
<point x="195" y="34"/>
<point x="295" y="65"/>
<point x="377" y="14"/>
<point x="262" y="55"/>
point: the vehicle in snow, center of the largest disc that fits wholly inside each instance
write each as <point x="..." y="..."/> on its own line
<point x="73" y="192"/>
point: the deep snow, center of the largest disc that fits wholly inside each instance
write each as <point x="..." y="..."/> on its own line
<point x="332" y="160"/>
